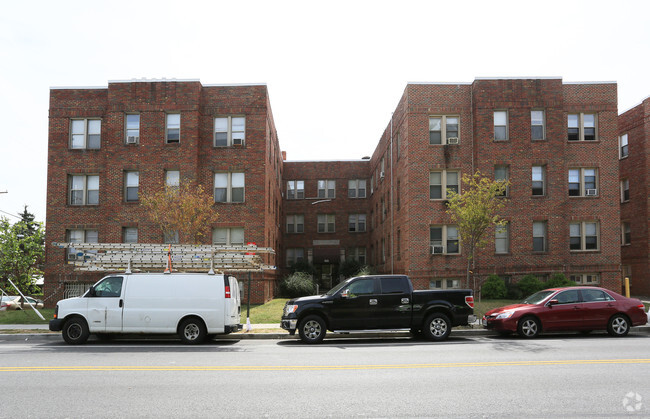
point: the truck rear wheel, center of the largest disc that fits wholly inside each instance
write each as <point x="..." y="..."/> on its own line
<point x="75" y="331"/>
<point x="436" y="327"/>
<point x="312" y="329"/>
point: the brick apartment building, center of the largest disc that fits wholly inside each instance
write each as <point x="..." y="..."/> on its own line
<point x="634" y="132"/>
<point x="556" y="142"/>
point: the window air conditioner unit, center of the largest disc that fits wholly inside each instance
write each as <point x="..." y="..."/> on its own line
<point x="591" y="192"/>
<point x="237" y="142"/>
<point x="452" y="140"/>
<point x="132" y="139"/>
<point x="437" y="250"/>
<point x="382" y="175"/>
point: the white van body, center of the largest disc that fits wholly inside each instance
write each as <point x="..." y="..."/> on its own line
<point x="153" y="303"/>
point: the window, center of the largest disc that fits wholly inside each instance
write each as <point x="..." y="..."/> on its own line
<point x="229" y="131"/>
<point x="539" y="180"/>
<point x="443" y="130"/>
<point x="296" y="189"/>
<point x="626" y="234"/>
<point x="79" y="236"/>
<point x="357" y="223"/>
<point x="131" y="186"/>
<point x="173" y="134"/>
<point x="502" y="239"/>
<point x="537" y="125"/>
<point x="172" y="178"/>
<point x="295" y="223"/>
<point x="109" y="287"/>
<point x="436" y="181"/>
<point x="232" y="236"/>
<point x="583" y="182"/>
<point x="326" y="223"/>
<point x="625" y="190"/>
<point x="539" y="236"/>
<point x="500" y="125"/>
<point x="326" y="188"/>
<point x="395" y="285"/>
<point x="584" y="236"/>
<point x="132" y="128"/>
<point x="84" y="189"/>
<point x="585" y="279"/>
<point x="502" y="172"/>
<point x="622" y="146"/>
<point x="441" y="284"/>
<point x="357" y="254"/>
<point x="295" y="255"/>
<point x="170" y="237"/>
<point x="229" y="187"/>
<point x="357" y="188"/>
<point x="595" y="296"/>
<point x="581" y="127"/>
<point x="129" y="235"/>
<point x="444" y="239"/>
<point x="85" y="133"/>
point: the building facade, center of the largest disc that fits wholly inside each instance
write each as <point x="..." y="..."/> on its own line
<point x="556" y="142"/>
<point x="634" y="131"/>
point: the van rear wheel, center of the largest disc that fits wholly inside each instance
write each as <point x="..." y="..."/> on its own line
<point x="192" y="331"/>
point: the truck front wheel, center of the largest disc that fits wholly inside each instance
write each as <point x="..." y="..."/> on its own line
<point x="436" y="327"/>
<point x="312" y="329"/>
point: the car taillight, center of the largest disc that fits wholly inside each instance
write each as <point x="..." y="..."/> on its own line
<point x="227" y="291"/>
<point x="469" y="300"/>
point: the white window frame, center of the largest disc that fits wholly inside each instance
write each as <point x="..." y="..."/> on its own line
<point x="535" y="178"/>
<point x="232" y="236"/>
<point x="356" y="188"/>
<point x="445" y="132"/>
<point x="357" y="223"/>
<point x="87" y="182"/>
<point x="172" y="178"/>
<point x="535" y="122"/>
<point x="497" y="115"/>
<point x="623" y="150"/>
<point x="626" y="233"/>
<point x="132" y="128"/>
<point x="585" y="279"/>
<point x="235" y="133"/>
<point x="625" y="190"/>
<point x="327" y="188"/>
<point x="444" y="283"/>
<point x="506" y="170"/>
<point x="84" y="140"/>
<point x="295" y="189"/>
<point x="75" y="235"/>
<point x="129" y="235"/>
<point x="172" y="128"/>
<point x="295" y="223"/>
<point x="502" y="239"/>
<point x="131" y="181"/>
<point x="582" y="128"/>
<point x="582" y="226"/>
<point x="447" y="236"/>
<point x="444" y="183"/>
<point x="234" y="180"/>
<point x="540" y="230"/>
<point x="326" y="223"/>
<point x="582" y="176"/>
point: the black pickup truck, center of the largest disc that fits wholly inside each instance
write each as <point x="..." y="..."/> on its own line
<point x="378" y="302"/>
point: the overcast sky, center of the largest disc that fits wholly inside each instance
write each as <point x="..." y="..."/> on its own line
<point x="335" y="70"/>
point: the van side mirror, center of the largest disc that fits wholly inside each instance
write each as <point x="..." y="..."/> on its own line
<point x="91" y="292"/>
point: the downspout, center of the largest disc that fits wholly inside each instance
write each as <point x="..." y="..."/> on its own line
<point x="392" y="209"/>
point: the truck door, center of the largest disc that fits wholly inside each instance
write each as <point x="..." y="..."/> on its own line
<point x="394" y="303"/>
<point x="105" y="304"/>
<point x="356" y="308"/>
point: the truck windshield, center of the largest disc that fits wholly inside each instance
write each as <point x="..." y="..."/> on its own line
<point x="337" y="288"/>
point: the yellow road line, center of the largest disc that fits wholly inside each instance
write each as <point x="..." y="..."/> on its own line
<point x="324" y="367"/>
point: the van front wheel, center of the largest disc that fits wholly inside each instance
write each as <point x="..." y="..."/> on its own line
<point x="75" y="331"/>
<point x="192" y="331"/>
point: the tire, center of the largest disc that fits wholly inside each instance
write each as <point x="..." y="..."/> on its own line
<point x="618" y="326"/>
<point x="75" y="331"/>
<point x="529" y="327"/>
<point x="192" y="331"/>
<point x="312" y="329"/>
<point x="436" y="327"/>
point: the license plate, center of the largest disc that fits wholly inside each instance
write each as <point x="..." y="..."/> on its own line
<point x="484" y="321"/>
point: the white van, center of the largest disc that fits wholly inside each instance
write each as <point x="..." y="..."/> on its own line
<point x="194" y="306"/>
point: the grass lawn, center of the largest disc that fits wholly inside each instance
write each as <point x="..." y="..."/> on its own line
<point x="27" y="316"/>
<point x="270" y="312"/>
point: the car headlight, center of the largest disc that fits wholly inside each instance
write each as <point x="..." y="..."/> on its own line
<point x="505" y="315"/>
<point x="288" y="309"/>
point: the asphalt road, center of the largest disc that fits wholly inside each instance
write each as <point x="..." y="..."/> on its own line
<point x="561" y="375"/>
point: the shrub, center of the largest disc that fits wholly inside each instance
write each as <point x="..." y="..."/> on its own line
<point x="514" y="292"/>
<point x="297" y="284"/>
<point x="559" y="280"/>
<point x="349" y="268"/>
<point x="529" y="284"/>
<point x="494" y="288"/>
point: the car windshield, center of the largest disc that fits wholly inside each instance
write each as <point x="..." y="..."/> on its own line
<point x="537" y="298"/>
<point x="336" y="288"/>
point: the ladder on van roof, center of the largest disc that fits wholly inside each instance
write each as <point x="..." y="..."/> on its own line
<point x="158" y="257"/>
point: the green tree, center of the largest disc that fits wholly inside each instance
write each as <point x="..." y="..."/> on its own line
<point x="474" y="211"/>
<point x="22" y="252"/>
<point x="529" y="285"/>
<point x="559" y="280"/>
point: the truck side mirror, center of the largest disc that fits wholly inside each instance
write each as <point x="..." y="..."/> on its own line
<point x="345" y="293"/>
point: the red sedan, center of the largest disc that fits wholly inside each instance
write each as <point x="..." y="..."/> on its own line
<point x="574" y="308"/>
